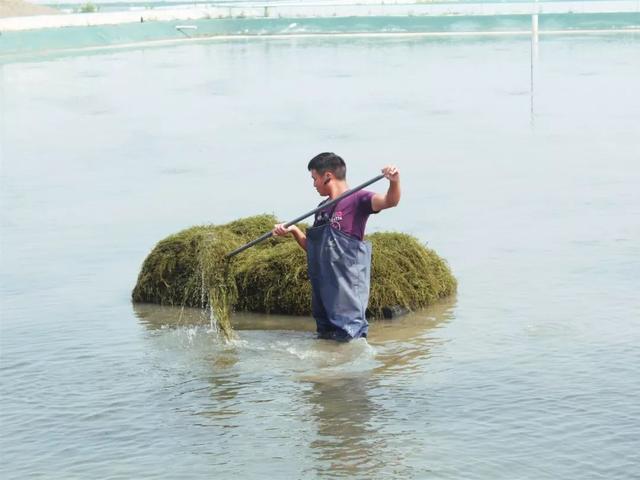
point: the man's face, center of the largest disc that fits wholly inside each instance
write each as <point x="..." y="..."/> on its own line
<point x="320" y="182"/>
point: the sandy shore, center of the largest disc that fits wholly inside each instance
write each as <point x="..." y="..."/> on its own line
<point x="20" y="8"/>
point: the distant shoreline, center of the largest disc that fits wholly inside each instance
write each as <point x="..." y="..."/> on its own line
<point x="74" y="32"/>
<point x="20" y="8"/>
<point x="302" y="11"/>
<point x="17" y="15"/>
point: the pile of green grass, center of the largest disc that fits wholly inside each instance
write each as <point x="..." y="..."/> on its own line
<point x="190" y="269"/>
<point x="406" y="274"/>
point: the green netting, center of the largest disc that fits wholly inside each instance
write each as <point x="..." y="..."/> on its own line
<point x="46" y="40"/>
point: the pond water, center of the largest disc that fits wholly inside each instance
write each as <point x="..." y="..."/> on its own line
<point x="526" y="184"/>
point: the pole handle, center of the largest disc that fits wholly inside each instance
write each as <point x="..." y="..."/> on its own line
<point x="308" y="214"/>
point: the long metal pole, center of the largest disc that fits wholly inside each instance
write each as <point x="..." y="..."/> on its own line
<point x="308" y="214"/>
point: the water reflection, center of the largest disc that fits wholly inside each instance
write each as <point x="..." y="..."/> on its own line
<point x="346" y="408"/>
<point x="346" y="444"/>
<point x="401" y="329"/>
<point x="332" y="399"/>
<point x="156" y="317"/>
<point x="402" y="344"/>
<point x="396" y="346"/>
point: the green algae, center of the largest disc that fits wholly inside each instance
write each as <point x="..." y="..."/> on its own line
<point x="215" y="277"/>
<point x="190" y="268"/>
<point x="406" y="273"/>
<point x="274" y="280"/>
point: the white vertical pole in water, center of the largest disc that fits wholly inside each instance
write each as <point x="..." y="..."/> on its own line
<point x="2" y="117"/>
<point x="534" y="51"/>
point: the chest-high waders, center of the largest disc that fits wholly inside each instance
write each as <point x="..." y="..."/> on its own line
<point x="339" y="269"/>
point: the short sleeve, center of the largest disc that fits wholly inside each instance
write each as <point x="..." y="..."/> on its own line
<point x="364" y="202"/>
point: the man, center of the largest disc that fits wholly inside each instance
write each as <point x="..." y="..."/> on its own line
<point x="338" y="259"/>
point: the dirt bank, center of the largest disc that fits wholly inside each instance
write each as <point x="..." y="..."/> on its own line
<point x="20" y="8"/>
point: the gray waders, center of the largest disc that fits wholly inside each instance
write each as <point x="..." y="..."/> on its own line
<point x="339" y="269"/>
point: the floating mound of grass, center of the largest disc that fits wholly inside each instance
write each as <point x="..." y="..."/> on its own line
<point x="184" y="266"/>
<point x="189" y="269"/>
<point x="274" y="280"/>
<point x="405" y="273"/>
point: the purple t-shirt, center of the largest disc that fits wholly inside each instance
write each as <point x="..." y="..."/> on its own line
<point x="349" y="215"/>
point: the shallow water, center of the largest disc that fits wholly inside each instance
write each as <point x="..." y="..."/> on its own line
<point x="531" y="371"/>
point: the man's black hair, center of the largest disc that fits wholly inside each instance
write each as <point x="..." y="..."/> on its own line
<point x="329" y="162"/>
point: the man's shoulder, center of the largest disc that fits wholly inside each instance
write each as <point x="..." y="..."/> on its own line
<point x="363" y="201"/>
<point x="366" y="193"/>
<point x="363" y="195"/>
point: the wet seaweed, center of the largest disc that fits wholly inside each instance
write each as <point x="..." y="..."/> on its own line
<point x="406" y="273"/>
<point x="274" y="280"/>
<point x="190" y="268"/>
<point x="217" y="288"/>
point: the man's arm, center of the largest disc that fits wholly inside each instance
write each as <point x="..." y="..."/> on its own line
<point x="380" y="201"/>
<point x="300" y="237"/>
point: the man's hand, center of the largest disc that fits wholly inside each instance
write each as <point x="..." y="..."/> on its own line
<point x="279" y="230"/>
<point x="390" y="199"/>
<point x="391" y="173"/>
